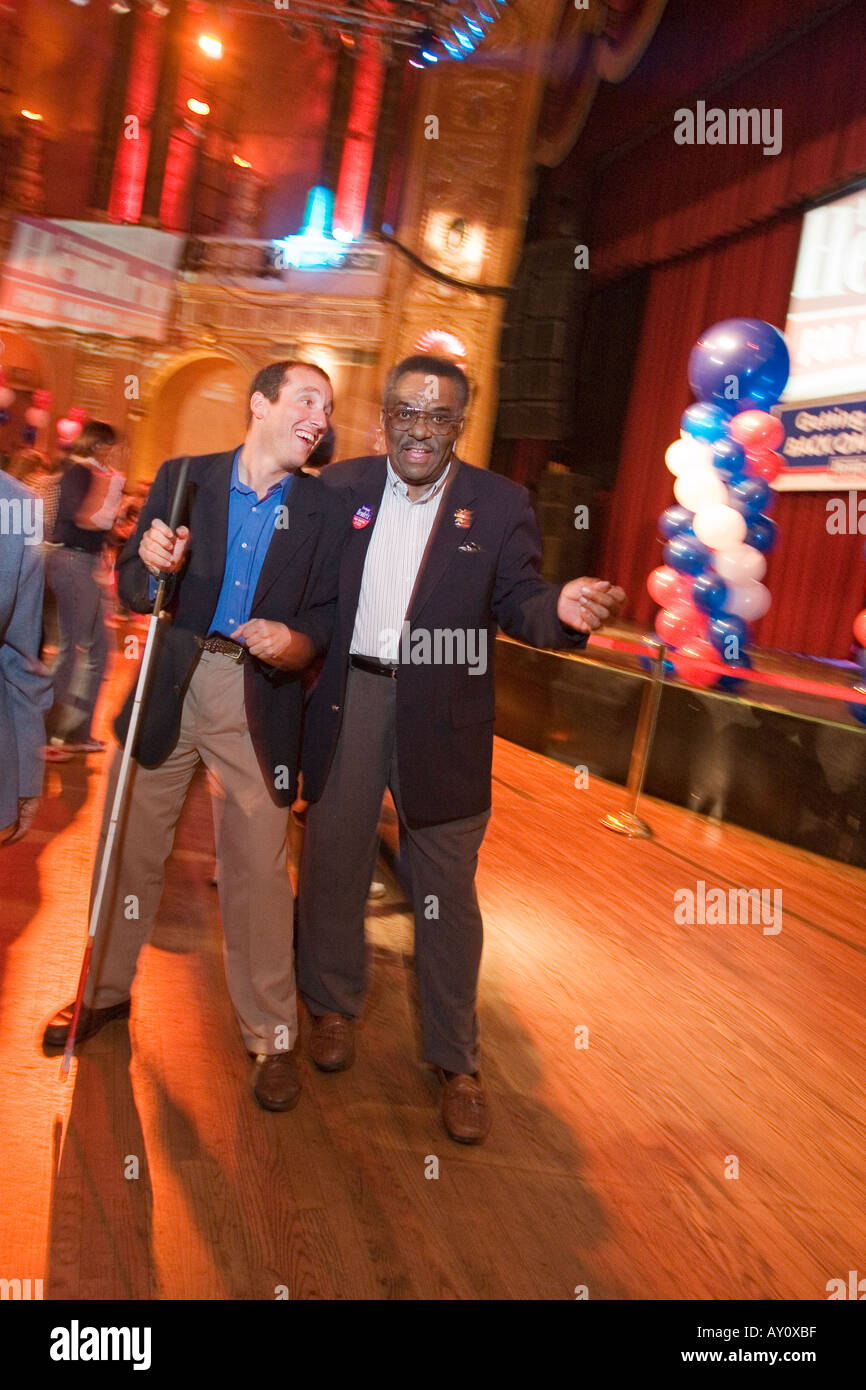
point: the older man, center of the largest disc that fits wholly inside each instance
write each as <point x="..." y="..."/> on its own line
<point x="255" y="576"/>
<point x="440" y="554"/>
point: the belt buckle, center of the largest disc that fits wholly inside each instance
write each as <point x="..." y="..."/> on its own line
<point x="238" y="653"/>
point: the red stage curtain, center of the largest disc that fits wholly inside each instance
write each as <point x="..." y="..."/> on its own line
<point x="653" y="199"/>
<point x="817" y="580"/>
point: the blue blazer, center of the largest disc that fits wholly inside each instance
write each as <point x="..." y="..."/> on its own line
<point x="297" y="586"/>
<point x="480" y="572"/>
<point x="25" y="686"/>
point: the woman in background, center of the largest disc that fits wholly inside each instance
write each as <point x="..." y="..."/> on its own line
<point x="90" y="495"/>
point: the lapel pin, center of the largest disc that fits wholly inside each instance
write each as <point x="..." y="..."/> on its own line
<point x="463" y="518"/>
<point x="362" y="518"/>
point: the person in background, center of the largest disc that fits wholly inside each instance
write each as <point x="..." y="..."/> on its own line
<point x="90" y="495"/>
<point x="25" y="686"/>
<point x="43" y="476"/>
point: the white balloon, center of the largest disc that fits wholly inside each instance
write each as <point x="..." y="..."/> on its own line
<point x="719" y="526"/>
<point x="687" y="453"/>
<point x="750" y="600"/>
<point x="737" y="563"/>
<point x="698" y="487"/>
<point x="7" y="397"/>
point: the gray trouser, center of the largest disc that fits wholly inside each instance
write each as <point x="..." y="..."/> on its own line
<point x="255" y="891"/>
<point x="83" y="652"/>
<point x="337" y="864"/>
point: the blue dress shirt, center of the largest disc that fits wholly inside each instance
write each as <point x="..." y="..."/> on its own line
<point x="251" y="526"/>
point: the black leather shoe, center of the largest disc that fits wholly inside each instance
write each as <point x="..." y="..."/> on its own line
<point x="278" y="1081"/>
<point x="89" y="1022"/>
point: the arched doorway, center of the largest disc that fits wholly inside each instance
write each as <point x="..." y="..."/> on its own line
<point x="200" y="407"/>
<point x="23" y="372"/>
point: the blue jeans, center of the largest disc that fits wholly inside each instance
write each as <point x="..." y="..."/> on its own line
<point x="83" y="652"/>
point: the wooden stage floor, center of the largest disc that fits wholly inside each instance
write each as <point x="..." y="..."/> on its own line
<point x="707" y="1143"/>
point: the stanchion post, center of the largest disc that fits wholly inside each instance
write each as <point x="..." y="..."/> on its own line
<point x="628" y="822"/>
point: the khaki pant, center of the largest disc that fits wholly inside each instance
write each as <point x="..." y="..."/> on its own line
<point x="255" y="892"/>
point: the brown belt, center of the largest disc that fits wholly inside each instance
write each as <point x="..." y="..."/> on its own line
<point x="223" y="645"/>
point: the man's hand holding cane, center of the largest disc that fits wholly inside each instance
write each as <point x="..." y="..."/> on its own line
<point x="163" y="551"/>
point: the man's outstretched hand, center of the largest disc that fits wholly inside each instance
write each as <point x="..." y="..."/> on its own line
<point x="275" y="643"/>
<point x="587" y="604"/>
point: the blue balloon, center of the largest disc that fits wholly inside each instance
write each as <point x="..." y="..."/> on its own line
<point x="723" y="628"/>
<point x="674" y="520"/>
<point x="734" y="683"/>
<point x="859" y="713"/>
<point x="686" y="554"/>
<point x="28" y="434"/>
<point x="4" y="417"/>
<point x="729" y="458"/>
<point x="648" y="664"/>
<point x="709" y="592"/>
<point x="707" y="422"/>
<point x="761" y="533"/>
<point x="739" y="364"/>
<point x="749" y="496"/>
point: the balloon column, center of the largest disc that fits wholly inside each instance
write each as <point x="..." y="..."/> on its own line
<point x="718" y="533"/>
<point x="7" y="398"/>
<point x="70" y="426"/>
<point x="36" y="415"/>
<point x="857" y="709"/>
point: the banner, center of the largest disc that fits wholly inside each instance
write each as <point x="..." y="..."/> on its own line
<point x="826" y="326"/>
<point x="91" y="277"/>
<point x="824" y="448"/>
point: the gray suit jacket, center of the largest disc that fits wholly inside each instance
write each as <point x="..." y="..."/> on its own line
<point x="25" y="686"/>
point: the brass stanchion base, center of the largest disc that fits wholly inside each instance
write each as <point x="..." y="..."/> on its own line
<point x="626" y="823"/>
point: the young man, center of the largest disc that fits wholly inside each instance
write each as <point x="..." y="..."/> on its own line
<point x="440" y="554"/>
<point x="252" y="601"/>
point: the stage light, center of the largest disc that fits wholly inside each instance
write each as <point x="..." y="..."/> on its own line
<point x="316" y="246"/>
<point x="120" y="7"/>
<point x="31" y="115"/>
<point x="210" y="45"/>
<point x="200" y="108"/>
<point x="241" y="163"/>
<point x="463" y="39"/>
<point x="473" y="27"/>
<point x="425" y="49"/>
<point x="451" y="48"/>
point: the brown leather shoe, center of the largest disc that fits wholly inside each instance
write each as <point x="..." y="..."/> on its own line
<point x="278" y="1081"/>
<point x="332" y="1042"/>
<point x="89" y="1022"/>
<point x="465" y="1113"/>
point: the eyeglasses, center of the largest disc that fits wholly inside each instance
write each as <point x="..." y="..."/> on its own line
<point x="406" y="416"/>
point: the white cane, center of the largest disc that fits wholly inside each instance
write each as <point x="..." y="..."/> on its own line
<point x="123" y="775"/>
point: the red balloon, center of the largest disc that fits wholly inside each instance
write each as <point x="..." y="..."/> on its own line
<point x="693" y="661"/>
<point x="679" y="623"/>
<point x="757" y="429"/>
<point x="860" y="628"/>
<point x="667" y="585"/>
<point x="764" y="463"/>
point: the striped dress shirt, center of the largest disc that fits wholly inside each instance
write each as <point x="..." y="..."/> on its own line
<point x="400" y="535"/>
